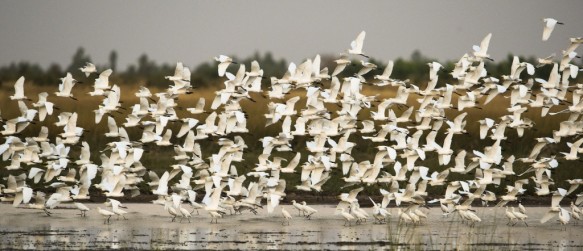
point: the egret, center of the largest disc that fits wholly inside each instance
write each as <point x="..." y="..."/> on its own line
<point x="481" y="51"/>
<point x="549" y="26"/>
<point x="520" y="216"/>
<point x="88" y="69"/>
<point x="215" y="216"/>
<point x="19" y="90"/>
<point x="511" y="217"/>
<point x="286" y="216"/>
<point x="298" y="207"/>
<point x="66" y="86"/>
<point x="170" y="210"/>
<point x="82" y="208"/>
<point x="347" y="216"/>
<point x="564" y="218"/>
<point x="224" y="62"/>
<point x="308" y="211"/>
<point x="106" y="214"/>
<point x="356" y="45"/>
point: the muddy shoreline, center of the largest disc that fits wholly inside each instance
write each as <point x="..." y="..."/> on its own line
<point x="150" y="227"/>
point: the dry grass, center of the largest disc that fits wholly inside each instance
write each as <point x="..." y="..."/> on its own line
<point x="159" y="158"/>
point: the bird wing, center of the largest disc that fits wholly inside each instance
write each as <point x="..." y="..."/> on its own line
<point x="19" y="87"/>
<point x="556" y="200"/>
<point x="223" y="68"/>
<point x="111" y="125"/>
<point x="359" y="42"/>
<point x="68" y="83"/>
<point x="354" y="192"/>
<point x="549" y="215"/>
<point x="255" y="66"/>
<point x="339" y="68"/>
<point x="485" y="43"/>
<point x="163" y="184"/>
<point x="388" y="69"/>
<point x="549" y="25"/>
<point x="293" y="163"/>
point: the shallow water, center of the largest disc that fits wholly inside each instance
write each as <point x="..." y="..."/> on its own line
<point x="149" y="227"/>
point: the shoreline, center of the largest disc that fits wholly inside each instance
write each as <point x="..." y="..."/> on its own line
<point x="149" y="226"/>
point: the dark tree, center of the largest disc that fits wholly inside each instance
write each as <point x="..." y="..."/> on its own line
<point x="113" y="60"/>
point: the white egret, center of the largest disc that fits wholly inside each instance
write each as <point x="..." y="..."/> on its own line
<point x="308" y="211"/>
<point x="88" y="69"/>
<point x="520" y="216"/>
<point x="66" y="86"/>
<point x="356" y="45"/>
<point x="224" y="62"/>
<point x="481" y="51"/>
<point x="19" y="90"/>
<point x="549" y="26"/>
<point x="347" y="216"/>
<point x="81" y="208"/>
<point x="106" y="214"/>
<point x="286" y="216"/>
<point x="564" y="217"/>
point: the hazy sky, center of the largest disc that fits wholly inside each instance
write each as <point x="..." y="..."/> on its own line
<point x="195" y="31"/>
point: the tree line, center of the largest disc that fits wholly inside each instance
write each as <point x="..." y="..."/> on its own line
<point x="147" y="71"/>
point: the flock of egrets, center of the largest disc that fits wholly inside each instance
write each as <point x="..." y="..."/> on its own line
<point x="403" y="142"/>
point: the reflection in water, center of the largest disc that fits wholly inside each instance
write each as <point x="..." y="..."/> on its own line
<point x="147" y="230"/>
<point x="226" y="236"/>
